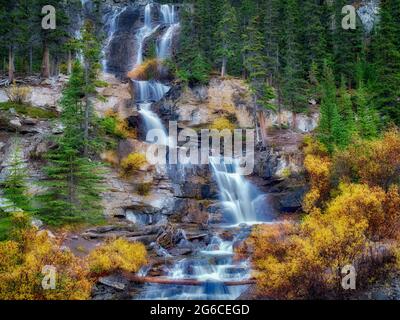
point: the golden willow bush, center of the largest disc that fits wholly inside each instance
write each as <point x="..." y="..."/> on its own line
<point x="118" y="254"/>
<point x="22" y="262"/>
<point x="222" y="124"/>
<point x="23" y="257"/>
<point x="353" y="202"/>
<point x="133" y="162"/>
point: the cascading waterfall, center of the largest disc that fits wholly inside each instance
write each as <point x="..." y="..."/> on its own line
<point x="146" y="31"/>
<point x="149" y="91"/>
<point x="238" y="195"/>
<point x="110" y="20"/>
<point x="153" y="91"/>
<point x="212" y="264"/>
<point x="165" y="44"/>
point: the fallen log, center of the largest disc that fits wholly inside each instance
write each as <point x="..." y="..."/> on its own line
<point x="184" y="282"/>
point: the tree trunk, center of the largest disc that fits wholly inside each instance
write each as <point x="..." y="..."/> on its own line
<point x="69" y="62"/>
<point x="182" y="282"/>
<point x="46" y="61"/>
<point x="223" y="70"/>
<point x="11" y="67"/>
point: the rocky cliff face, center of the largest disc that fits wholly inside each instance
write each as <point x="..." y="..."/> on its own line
<point x="188" y="194"/>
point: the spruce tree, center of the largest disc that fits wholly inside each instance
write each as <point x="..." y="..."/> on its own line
<point x="272" y="26"/>
<point x="366" y="115"/>
<point x="73" y="182"/>
<point x="226" y="34"/>
<point x="51" y="39"/>
<point x="347" y="45"/>
<point x="330" y="129"/>
<point x="293" y="77"/>
<point x="192" y="67"/>
<point x="314" y="35"/>
<point x="386" y="60"/>
<point x="255" y="65"/>
<point x="345" y="109"/>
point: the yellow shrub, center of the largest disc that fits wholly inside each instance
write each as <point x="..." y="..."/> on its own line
<point x="375" y="163"/>
<point x="132" y="163"/>
<point x="17" y="94"/>
<point x="21" y="266"/>
<point x="303" y="262"/>
<point x="146" y="71"/>
<point x="221" y="124"/>
<point x="117" y="255"/>
<point x="318" y="169"/>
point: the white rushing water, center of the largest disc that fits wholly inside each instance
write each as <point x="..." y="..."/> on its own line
<point x="238" y="195"/>
<point x="110" y="20"/>
<point x="146" y="31"/>
<point x="151" y="91"/>
<point x="164" y="47"/>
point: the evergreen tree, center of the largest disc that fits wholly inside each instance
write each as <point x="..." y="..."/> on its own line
<point x="15" y="30"/>
<point x="272" y="31"/>
<point x="254" y="63"/>
<point x="73" y="183"/>
<point x="347" y="45"/>
<point x="91" y="51"/>
<point x="314" y="35"/>
<point x="293" y="78"/>
<point x="226" y="34"/>
<point x="192" y="67"/>
<point x="386" y="60"/>
<point x="345" y="109"/>
<point x="366" y="116"/>
<point x="15" y="189"/>
<point x="51" y="39"/>
<point x="330" y="129"/>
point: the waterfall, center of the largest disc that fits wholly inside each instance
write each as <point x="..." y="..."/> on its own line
<point x="212" y="260"/>
<point x="153" y="91"/>
<point x="164" y="46"/>
<point x="168" y="14"/>
<point x="111" y="21"/>
<point x="149" y="91"/>
<point x="238" y="195"/>
<point x="146" y="31"/>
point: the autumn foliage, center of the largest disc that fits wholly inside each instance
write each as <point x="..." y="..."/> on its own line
<point x="21" y="264"/>
<point x="117" y="254"/>
<point x="353" y="202"/>
<point x="132" y="163"/>
<point x="23" y="258"/>
<point x="147" y="70"/>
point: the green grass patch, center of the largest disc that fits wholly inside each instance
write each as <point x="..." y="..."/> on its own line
<point x="28" y="110"/>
